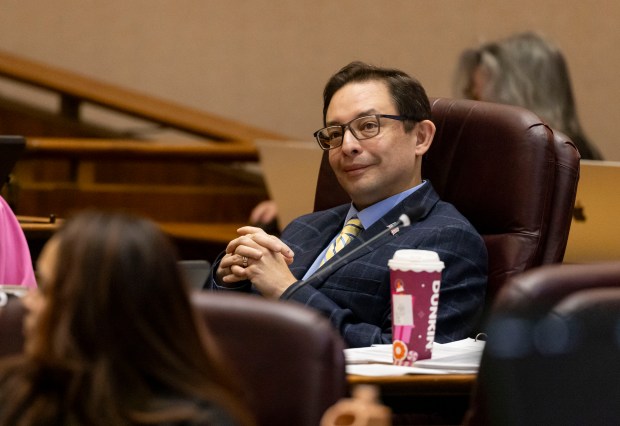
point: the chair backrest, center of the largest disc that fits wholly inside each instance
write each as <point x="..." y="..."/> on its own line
<point x="534" y="293"/>
<point x="552" y="351"/>
<point x="508" y="173"/>
<point x="289" y="356"/>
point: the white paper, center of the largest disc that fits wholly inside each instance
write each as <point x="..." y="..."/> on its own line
<point x="460" y="357"/>
<point x="398" y="370"/>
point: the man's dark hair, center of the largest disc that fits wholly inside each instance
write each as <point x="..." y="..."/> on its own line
<point x="407" y="93"/>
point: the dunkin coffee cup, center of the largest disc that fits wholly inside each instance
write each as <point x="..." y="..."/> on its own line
<point x="415" y="277"/>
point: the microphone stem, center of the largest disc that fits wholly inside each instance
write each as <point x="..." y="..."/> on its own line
<point x="403" y="220"/>
<point x="329" y="267"/>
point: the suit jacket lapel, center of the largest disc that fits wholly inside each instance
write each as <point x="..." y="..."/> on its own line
<point x="425" y="197"/>
<point x="329" y="225"/>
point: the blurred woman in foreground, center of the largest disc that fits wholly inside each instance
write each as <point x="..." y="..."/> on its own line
<point x="111" y="337"/>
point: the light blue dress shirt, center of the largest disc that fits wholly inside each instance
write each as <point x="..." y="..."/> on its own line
<point x="368" y="217"/>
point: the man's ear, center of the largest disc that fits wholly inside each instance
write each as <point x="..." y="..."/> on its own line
<point x="425" y="131"/>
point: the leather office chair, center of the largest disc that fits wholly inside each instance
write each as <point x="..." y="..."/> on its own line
<point x="290" y="357"/>
<point x="553" y="349"/>
<point x="508" y="173"/>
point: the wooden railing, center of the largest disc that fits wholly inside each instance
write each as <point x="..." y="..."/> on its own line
<point x="140" y="149"/>
<point x="198" y="190"/>
<point x="167" y="181"/>
<point x="74" y="90"/>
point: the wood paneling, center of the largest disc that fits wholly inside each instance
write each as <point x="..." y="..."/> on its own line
<point x="173" y="182"/>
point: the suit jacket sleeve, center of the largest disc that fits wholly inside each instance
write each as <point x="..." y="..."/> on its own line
<point x="356" y="297"/>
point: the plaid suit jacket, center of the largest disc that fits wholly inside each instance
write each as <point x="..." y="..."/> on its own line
<point x="356" y="295"/>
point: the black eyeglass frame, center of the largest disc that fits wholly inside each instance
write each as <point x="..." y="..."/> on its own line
<point x="346" y="126"/>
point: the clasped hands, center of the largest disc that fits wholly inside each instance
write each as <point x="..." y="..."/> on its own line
<point x="259" y="257"/>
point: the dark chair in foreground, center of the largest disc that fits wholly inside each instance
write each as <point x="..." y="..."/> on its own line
<point x="505" y="171"/>
<point x="552" y="355"/>
<point x="290" y="357"/>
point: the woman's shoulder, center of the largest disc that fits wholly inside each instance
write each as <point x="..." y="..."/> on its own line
<point x="14" y="367"/>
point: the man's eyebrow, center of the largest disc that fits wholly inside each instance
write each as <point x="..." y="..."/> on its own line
<point x="370" y="111"/>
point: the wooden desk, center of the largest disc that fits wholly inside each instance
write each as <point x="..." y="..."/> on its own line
<point x="36" y="227"/>
<point x="201" y="240"/>
<point x="168" y="181"/>
<point x="220" y="233"/>
<point x="37" y="231"/>
<point x="193" y="240"/>
<point x="419" y="384"/>
<point x="423" y="398"/>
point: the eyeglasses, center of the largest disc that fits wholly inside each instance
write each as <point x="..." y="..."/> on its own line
<point x="361" y="128"/>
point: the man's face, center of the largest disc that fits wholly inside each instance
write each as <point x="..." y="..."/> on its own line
<point x="377" y="168"/>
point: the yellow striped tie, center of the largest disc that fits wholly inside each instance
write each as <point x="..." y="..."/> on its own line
<point x="350" y="230"/>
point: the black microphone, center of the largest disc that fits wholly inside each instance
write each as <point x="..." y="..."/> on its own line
<point x="404" y="220"/>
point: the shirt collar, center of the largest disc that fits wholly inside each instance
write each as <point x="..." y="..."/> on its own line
<point x="373" y="213"/>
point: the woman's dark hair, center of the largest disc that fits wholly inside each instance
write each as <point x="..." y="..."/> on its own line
<point x="118" y="341"/>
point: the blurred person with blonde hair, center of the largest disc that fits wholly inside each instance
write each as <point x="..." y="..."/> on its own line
<point x="525" y="70"/>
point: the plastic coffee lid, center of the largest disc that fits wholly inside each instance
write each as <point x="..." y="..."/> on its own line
<point x="416" y="260"/>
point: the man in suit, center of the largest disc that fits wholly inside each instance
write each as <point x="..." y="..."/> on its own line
<point x="377" y="130"/>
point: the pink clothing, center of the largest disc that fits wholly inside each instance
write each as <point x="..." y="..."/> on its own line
<point x="15" y="261"/>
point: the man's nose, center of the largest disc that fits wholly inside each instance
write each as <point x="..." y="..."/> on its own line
<point x="350" y="142"/>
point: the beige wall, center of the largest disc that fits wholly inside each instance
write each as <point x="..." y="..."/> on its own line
<point x="265" y="62"/>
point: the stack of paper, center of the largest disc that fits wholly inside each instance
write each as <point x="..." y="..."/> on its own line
<point x="461" y="357"/>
